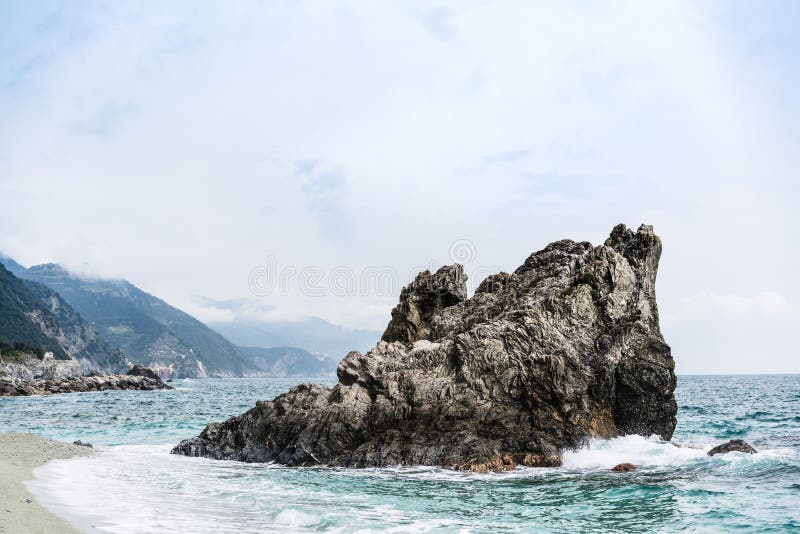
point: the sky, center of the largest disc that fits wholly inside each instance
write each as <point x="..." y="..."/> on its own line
<point x="277" y="160"/>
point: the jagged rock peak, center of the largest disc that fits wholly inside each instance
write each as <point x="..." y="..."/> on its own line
<point x="565" y="348"/>
<point x="642" y="246"/>
<point x="422" y="299"/>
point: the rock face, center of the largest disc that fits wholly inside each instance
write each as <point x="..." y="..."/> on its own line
<point x="734" y="445"/>
<point x="422" y="300"/>
<point x="29" y="368"/>
<point x="565" y="348"/>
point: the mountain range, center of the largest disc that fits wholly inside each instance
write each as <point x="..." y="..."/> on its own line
<point x="290" y="361"/>
<point x="145" y="327"/>
<point x="108" y="323"/>
<point x="311" y="333"/>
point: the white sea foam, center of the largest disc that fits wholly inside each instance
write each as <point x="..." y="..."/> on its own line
<point x="654" y="452"/>
<point x="141" y="488"/>
<point x="605" y="454"/>
<point x="295" y="518"/>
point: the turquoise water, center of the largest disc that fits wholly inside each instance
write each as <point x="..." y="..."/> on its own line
<point x="135" y="485"/>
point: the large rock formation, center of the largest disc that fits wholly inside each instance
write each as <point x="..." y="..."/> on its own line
<point x="566" y="348"/>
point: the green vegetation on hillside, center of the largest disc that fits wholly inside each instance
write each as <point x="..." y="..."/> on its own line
<point x="35" y="319"/>
<point x="144" y="327"/>
<point x="18" y="351"/>
<point x="18" y="306"/>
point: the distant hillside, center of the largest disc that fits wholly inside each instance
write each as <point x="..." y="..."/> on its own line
<point x="36" y="319"/>
<point x="15" y="268"/>
<point x="290" y="361"/>
<point x="146" y="330"/>
<point x="144" y="327"/>
<point x="312" y="334"/>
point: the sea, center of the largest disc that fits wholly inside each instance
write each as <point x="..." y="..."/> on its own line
<point x="134" y="484"/>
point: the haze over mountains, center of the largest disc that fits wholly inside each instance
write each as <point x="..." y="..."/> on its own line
<point x="108" y="323"/>
<point x="290" y="361"/>
<point x="311" y="333"/>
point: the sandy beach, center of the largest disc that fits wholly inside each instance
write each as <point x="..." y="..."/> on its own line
<point x="20" y="454"/>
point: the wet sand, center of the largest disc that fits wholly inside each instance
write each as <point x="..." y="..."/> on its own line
<point x="20" y="454"/>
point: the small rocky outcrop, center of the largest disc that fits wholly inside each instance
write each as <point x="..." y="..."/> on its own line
<point x="734" y="445"/>
<point x="138" y="370"/>
<point x="625" y="468"/>
<point x="507" y="462"/>
<point x="565" y="348"/>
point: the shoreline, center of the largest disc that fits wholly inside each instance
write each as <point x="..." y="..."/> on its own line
<point x="11" y="387"/>
<point x="20" y="454"/>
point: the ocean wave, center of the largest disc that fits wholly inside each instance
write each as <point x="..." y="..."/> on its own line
<point x="639" y="450"/>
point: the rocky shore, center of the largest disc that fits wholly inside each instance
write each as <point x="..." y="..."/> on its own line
<point x="565" y="348"/>
<point x="138" y="378"/>
<point x="8" y="387"/>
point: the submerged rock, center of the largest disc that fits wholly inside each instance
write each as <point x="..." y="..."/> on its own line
<point x="734" y="445"/>
<point x="507" y="462"/>
<point x="565" y="348"/>
<point x="625" y="468"/>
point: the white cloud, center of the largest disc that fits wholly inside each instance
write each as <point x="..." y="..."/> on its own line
<point x="705" y="305"/>
<point x="713" y="333"/>
<point x="209" y="313"/>
<point x="161" y="143"/>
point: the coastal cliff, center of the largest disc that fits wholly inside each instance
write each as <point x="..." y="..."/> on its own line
<point x="565" y="348"/>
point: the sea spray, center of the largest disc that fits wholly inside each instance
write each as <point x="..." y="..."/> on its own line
<point x="638" y="450"/>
